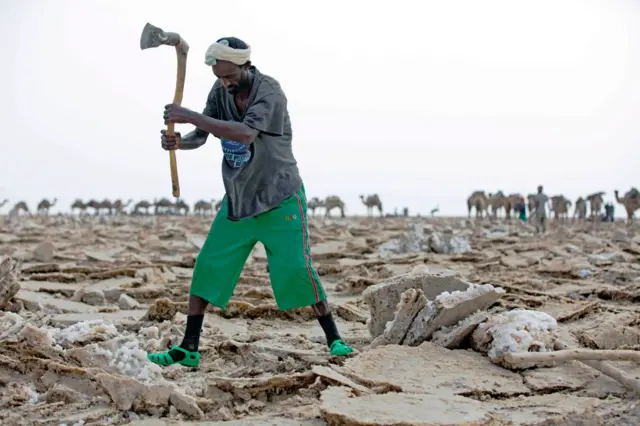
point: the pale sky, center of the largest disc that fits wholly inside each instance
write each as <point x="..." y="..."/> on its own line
<point x="420" y="101"/>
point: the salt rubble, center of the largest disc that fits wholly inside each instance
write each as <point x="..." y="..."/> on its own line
<point x="85" y="332"/>
<point x="416" y="318"/>
<point x="421" y="238"/>
<point x="519" y="330"/>
<point x="449" y="309"/>
<point x="119" y="354"/>
<point x="454" y="316"/>
<point x="129" y="360"/>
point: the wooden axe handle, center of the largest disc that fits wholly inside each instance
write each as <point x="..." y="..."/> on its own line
<point x="181" y="51"/>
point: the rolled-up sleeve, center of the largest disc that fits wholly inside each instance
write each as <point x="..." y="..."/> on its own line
<point x="210" y="110"/>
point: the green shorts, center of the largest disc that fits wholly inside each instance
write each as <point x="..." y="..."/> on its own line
<point x="285" y="235"/>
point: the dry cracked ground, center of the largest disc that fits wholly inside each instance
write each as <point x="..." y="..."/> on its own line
<point x="83" y="300"/>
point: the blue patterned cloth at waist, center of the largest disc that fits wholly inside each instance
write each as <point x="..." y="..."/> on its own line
<point x="235" y="153"/>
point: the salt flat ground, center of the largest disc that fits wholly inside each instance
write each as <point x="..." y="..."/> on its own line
<point x="96" y="294"/>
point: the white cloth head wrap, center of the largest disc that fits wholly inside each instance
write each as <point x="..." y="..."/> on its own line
<point x="222" y="52"/>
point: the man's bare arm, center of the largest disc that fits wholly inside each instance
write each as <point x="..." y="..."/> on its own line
<point x="193" y="140"/>
<point x="232" y="130"/>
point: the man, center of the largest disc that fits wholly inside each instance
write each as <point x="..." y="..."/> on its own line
<point x="609" y="211"/>
<point x="541" y="199"/>
<point x="265" y="198"/>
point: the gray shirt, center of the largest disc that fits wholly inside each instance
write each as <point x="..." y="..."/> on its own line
<point x="259" y="177"/>
<point x="541" y="204"/>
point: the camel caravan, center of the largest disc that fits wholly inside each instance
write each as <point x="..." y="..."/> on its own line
<point x="333" y="202"/>
<point x="164" y="206"/>
<point x="491" y="205"/>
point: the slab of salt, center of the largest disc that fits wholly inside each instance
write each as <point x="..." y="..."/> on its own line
<point x="64" y="320"/>
<point x="197" y="241"/>
<point x="452" y="337"/>
<point x="34" y="301"/>
<point x="383" y="298"/>
<point x="44" y="251"/>
<point x="411" y="303"/>
<point x="449" y="309"/>
<point x="114" y="287"/>
<point x="99" y="256"/>
<point x="339" y="407"/>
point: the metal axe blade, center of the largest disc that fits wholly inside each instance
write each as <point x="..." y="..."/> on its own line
<point x="152" y="36"/>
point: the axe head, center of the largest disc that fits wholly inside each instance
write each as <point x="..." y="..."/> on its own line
<point x="153" y="36"/>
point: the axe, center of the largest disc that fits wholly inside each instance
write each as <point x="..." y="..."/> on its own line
<point x="154" y="37"/>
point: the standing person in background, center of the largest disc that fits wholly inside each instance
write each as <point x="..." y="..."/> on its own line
<point x="521" y="208"/>
<point x="541" y="199"/>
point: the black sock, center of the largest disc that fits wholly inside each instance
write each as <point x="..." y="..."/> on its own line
<point x="329" y="327"/>
<point x="191" y="337"/>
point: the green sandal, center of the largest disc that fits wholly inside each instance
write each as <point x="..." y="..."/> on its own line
<point x="191" y="359"/>
<point x="340" y="348"/>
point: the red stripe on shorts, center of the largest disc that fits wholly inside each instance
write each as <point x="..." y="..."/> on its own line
<point x="305" y="246"/>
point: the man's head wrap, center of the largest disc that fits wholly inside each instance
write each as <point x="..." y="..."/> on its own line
<point x="229" y="49"/>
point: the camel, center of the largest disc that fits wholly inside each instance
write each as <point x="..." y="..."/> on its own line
<point x="78" y="205"/>
<point x="141" y="205"/>
<point x="99" y="206"/>
<point x="107" y="206"/>
<point x="560" y="206"/>
<point x="434" y="211"/>
<point x="45" y="205"/>
<point x="531" y="202"/>
<point x="372" y="201"/>
<point x="18" y="207"/>
<point x="512" y="200"/>
<point x="479" y="200"/>
<point x="181" y="206"/>
<point x="163" y="206"/>
<point x="580" y="209"/>
<point x="332" y="202"/>
<point x="202" y="207"/>
<point x="119" y="207"/>
<point x="498" y="201"/>
<point x="630" y="201"/>
<point x="95" y="205"/>
<point x="595" y="204"/>
<point x="313" y="204"/>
